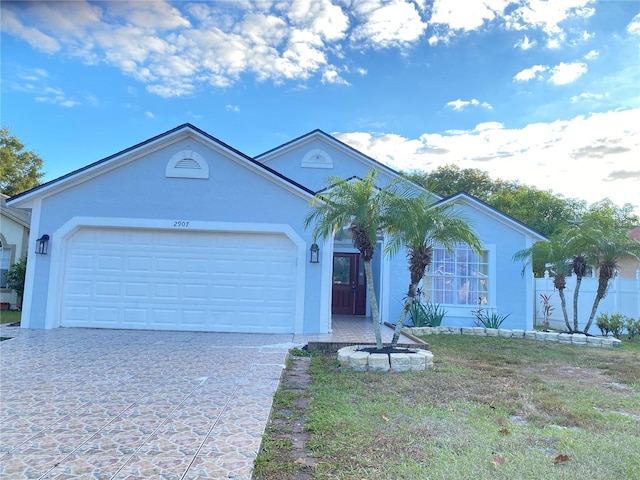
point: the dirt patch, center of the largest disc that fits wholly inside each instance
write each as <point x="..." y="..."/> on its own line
<point x="288" y="459"/>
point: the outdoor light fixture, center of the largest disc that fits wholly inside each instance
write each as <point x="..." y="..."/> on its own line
<point x="42" y="244"/>
<point x="315" y="253"/>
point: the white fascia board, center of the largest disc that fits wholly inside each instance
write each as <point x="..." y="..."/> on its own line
<point x="100" y="167"/>
<point x="97" y="168"/>
<point x="335" y="143"/>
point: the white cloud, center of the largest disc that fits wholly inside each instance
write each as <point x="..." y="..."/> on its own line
<point x="591" y="54"/>
<point x="232" y="108"/>
<point x="548" y="16"/>
<point x="564" y="73"/>
<point x="388" y="24"/>
<point x="332" y="76"/>
<point x="449" y="18"/>
<point x="462" y="104"/>
<point x="634" y="26"/>
<point x="593" y="148"/>
<point x="561" y="74"/>
<point x="588" y="97"/>
<point x="530" y="73"/>
<point x="149" y="115"/>
<point x="525" y="44"/>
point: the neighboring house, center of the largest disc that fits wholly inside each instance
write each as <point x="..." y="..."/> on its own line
<point x="629" y="266"/>
<point x="14" y="238"/>
<point x="184" y="232"/>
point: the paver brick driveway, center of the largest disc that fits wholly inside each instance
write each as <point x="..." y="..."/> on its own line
<point x="103" y="404"/>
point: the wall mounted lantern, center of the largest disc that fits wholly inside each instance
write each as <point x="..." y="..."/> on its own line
<point x="42" y="244"/>
<point x="315" y="253"/>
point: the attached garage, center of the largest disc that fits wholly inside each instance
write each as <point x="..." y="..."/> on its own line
<point x="179" y="280"/>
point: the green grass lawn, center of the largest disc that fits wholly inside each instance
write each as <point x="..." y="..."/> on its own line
<point x="490" y="408"/>
<point x="8" y="316"/>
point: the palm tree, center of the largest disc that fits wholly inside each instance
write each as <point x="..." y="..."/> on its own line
<point x="362" y="206"/>
<point x="553" y="253"/>
<point x="581" y="241"/>
<point x="418" y="224"/>
<point x="607" y="252"/>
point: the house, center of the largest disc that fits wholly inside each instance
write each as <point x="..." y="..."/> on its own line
<point x="184" y="232"/>
<point x="628" y="266"/>
<point x="14" y="236"/>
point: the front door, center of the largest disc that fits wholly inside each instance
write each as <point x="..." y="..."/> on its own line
<point x="348" y="296"/>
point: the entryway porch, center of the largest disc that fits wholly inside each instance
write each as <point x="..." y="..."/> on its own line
<point x="354" y="330"/>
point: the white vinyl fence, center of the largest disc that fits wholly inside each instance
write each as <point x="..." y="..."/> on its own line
<point x="623" y="296"/>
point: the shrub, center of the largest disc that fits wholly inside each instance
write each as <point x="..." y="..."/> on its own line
<point x="489" y="319"/>
<point x="613" y="323"/>
<point x="632" y="326"/>
<point x="426" y="314"/>
<point x="15" y="278"/>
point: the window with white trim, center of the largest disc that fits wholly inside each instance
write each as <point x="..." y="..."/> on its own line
<point x="457" y="277"/>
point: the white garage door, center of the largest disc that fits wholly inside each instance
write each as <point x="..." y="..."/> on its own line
<point x="179" y="280"/>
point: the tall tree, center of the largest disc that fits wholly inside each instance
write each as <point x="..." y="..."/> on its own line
<point x="20" y="169"/>
<point x="417" y="224"/>
<point x="360" y="206"/>
<point x="539" y="209"/>
<point x="448" y="180"/>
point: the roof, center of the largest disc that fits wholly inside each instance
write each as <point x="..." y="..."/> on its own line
<point x="317" y="133"/>
<point x="634" y="233"/>
<point x="75" y="175"/>
<point x="16" y="214"/>
<point x="508" y="219"/>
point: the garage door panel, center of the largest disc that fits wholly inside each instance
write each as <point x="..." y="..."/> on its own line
<point x="180" y="281"/>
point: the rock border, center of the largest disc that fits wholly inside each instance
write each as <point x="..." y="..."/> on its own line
<point x="414" y="360"/>
<point x="578" y="339"/>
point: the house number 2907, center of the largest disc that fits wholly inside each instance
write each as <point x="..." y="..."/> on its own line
<point x="180" y="224"/>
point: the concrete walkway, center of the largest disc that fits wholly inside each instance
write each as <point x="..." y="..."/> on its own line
<point x="125" y="404"/>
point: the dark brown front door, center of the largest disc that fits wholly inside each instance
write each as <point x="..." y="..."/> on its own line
<point x="349" y="288"/>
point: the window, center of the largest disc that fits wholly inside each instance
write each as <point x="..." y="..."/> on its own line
<point x="5" y="264"/>
<point x="457" y="277"/>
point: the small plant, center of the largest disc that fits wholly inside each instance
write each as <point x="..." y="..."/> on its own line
<point x="425" y="314"/>
<point x="15" y="278"/>
<point x="489" y="319"/>
<point x="434" y="313"/>
<point x="547" y="310"/>
<point x="418" y="313"/>
<point x="614" y="324"/>
<point x="632" y="326"/>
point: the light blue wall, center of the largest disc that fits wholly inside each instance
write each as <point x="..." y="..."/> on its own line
<point x="235" y="193"/>
<point x="140" y="189"/>
<point x="344" y="165"/>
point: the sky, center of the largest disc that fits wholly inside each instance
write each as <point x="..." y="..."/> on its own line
<point x="543" y="92"/>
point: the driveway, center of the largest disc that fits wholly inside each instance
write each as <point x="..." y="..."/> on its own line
<point x="117" y="404"/>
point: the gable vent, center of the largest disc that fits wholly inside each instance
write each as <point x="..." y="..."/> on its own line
<point x="187" y="164"/>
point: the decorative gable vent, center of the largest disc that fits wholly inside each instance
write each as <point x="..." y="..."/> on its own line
<point x="187" y="164"/>
<point x="317" y="159"/>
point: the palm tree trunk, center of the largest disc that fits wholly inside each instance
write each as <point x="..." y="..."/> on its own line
<point x="575" y="303"/>
<point x="375" y="313"/>
<point x="405" y="311"/>
<point x="600" y="293"/>
<point x="563" y="303"/>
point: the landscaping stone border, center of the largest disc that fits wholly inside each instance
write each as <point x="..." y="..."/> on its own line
<point x="412" y="361"/>
<point x="578" y="339"/>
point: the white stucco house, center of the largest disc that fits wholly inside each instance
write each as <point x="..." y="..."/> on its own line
<point x="14" y="235"/>
<point x="184" y="232"/>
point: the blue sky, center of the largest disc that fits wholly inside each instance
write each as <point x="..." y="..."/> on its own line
<point x="547" y="93"/>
